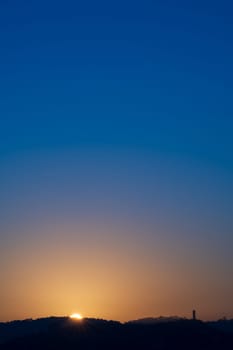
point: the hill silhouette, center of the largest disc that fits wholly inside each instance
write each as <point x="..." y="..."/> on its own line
<point x="154" y="320"/>
<point x="63" y="333"/>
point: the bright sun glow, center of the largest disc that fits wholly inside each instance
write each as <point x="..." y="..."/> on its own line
<point x="76" y="316"/>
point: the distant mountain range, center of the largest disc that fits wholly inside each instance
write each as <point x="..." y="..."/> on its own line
<point x="156" y="320"/>
<point x="160" y="333"/>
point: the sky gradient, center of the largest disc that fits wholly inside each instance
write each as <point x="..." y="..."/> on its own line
<point x="116" y="158"/>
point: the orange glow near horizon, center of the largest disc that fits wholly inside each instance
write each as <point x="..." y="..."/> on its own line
<point x="110" y="276"/>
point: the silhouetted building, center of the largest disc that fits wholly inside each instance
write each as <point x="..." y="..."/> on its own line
<point x="194" y="315"/>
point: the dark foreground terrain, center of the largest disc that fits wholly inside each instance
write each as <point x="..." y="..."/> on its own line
<point x="64" y="333"/>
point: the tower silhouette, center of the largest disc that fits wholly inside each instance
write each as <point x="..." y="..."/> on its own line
<point x="194" y="315"/>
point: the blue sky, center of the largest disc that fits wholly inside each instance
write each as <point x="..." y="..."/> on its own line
<point x="119" y="114"/>
<point x="156" y="74"/>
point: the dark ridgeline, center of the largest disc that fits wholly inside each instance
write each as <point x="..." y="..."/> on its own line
<point x="158" y="334"/>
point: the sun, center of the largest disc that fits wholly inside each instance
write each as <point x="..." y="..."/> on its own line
<point x="76" y="316"/>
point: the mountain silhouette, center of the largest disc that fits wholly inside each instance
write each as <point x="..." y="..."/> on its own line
<point x="63" y="333"/>
<point x="154" y="320"/>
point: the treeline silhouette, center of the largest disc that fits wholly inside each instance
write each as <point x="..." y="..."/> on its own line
<point x="64" y="333"/>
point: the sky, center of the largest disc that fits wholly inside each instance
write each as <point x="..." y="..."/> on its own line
<point x="116" y="162"/>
